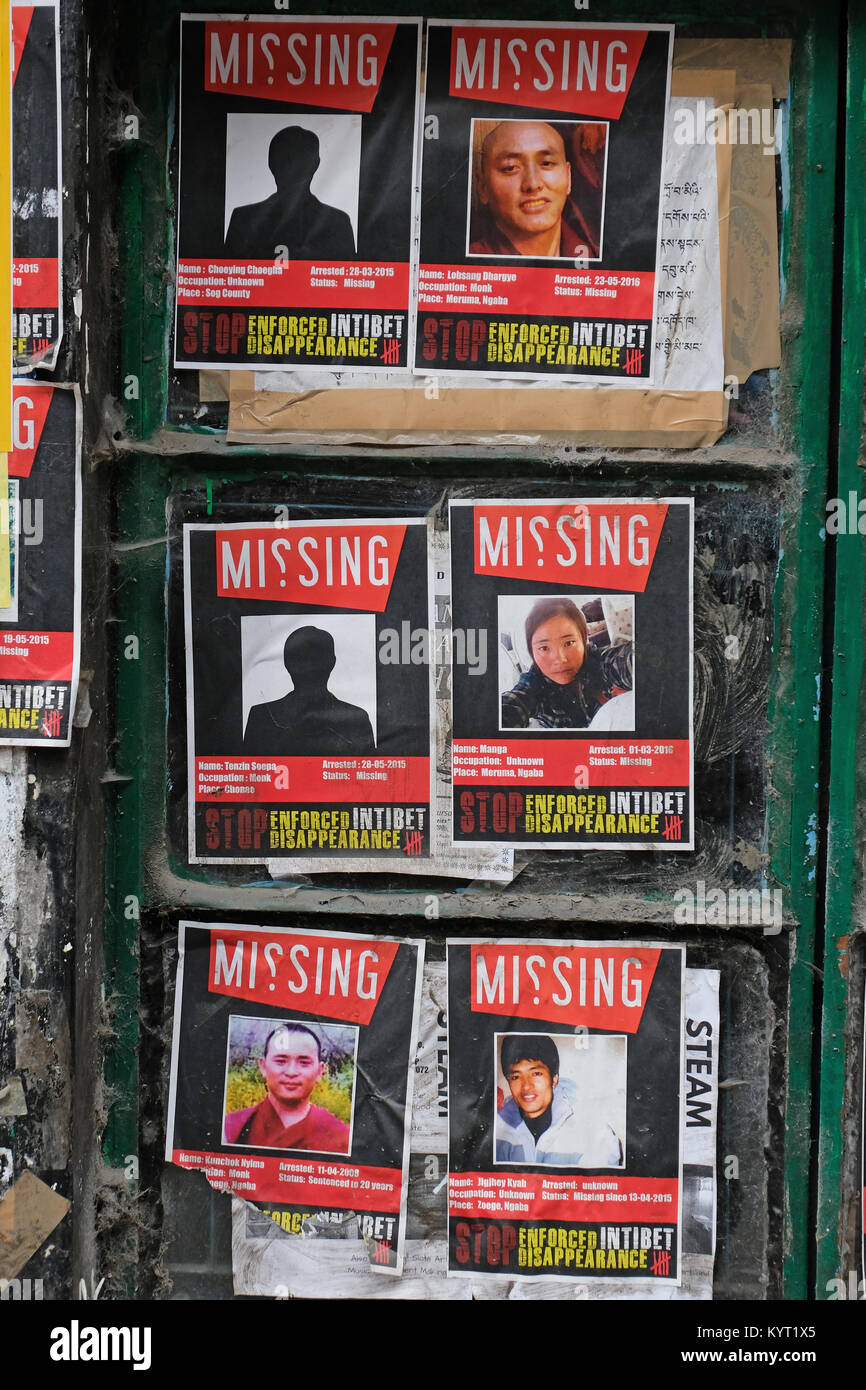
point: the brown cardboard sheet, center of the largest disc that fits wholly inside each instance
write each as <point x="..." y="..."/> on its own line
<point x="754" y="60"/>
<point x="752" y="334"/>
<point x="28" y="1214"/>
<point x="623" y="419"/>
<point x="213" y="386"/>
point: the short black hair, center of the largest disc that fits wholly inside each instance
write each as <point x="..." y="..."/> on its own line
<point x="294" y="1028"/>
<point x="548" y="607"/>
<point x="529" y="1047"/>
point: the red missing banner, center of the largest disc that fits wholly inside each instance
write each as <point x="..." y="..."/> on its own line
<point x="30" y="403"/>
<point x="569" y="985"/>
<point x="596" y="545"/>
<point x="348" y="565"/>
<point x="21" y="17"/>
<point x="330" y="977"/>
<point x="333" y="64"/>
<point x="586" y="72"/>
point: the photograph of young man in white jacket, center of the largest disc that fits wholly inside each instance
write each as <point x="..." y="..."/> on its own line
<point x="550" y="1118"/>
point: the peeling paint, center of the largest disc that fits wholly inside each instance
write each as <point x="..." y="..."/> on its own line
<point x="812" y="836"/>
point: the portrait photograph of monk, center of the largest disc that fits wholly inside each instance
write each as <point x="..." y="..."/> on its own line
<point x="537" y="189"/>
<point x="292" y="187"/>
<point x="309" y="685"/>
<point x="290" y="1084"/>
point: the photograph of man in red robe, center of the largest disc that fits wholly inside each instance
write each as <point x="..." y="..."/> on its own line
<point x="537" y="189"/>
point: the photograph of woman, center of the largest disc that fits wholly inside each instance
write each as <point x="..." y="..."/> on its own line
<point x="580" y="674"/>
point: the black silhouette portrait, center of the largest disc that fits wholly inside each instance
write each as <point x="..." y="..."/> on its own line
<point x="309" y="720"/>
<point x="292" y="216"/>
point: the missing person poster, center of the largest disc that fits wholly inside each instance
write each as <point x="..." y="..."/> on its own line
<point x="540" y="196"/>
<point x="292" y="1071"/>
<point x="579" y="733"/>
<point x="268" y="1263"/>
<point x="37" y="183"/>
<point x="40" y="626"/>
<point x="332" y="1260"/>
<point x="308" y="690"/>
<point x="565" y="1120"/>
<point x="296" y="179"/>
<point x="445" y="859"/>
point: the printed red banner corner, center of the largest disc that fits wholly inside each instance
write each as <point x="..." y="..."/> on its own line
<point x="21" y="17"/>
<point x="30" y="402"/>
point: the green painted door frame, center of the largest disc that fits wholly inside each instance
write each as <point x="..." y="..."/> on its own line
<point x="840" y="1122"/>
